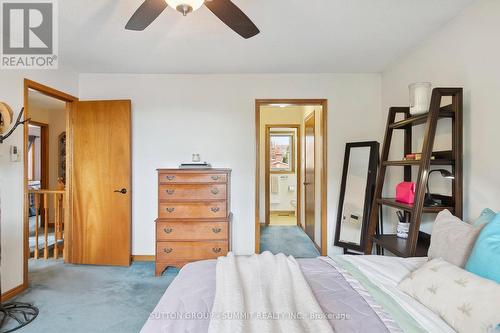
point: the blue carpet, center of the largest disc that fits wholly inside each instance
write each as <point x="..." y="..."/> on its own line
<point x="290" y="240"/>
<point x="93" y="298"/>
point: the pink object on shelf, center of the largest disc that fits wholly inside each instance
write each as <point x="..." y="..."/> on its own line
<point x="405" y="192"/>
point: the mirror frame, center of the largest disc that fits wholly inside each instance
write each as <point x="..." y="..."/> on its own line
<point x="369" y="192"/>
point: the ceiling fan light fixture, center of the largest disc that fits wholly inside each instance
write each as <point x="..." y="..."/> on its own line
<point x="185" y="6"/>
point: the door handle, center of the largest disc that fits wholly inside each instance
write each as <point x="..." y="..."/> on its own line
<point x="122" y="191"/>
<point x="307" y="184"/>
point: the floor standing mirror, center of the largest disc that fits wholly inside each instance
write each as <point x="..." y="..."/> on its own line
<point x="356" y="194"/>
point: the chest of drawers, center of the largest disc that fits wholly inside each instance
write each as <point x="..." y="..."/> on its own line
<point x="194" y="219"/>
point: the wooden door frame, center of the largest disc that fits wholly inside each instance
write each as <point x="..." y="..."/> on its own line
<point x="70" y="102"/>
<point x="312" y="115"/>
<point x="298" y="169"/>
<point x="324" y="167"/>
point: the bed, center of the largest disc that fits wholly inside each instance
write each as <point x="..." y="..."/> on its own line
<point x="359" y="294"/>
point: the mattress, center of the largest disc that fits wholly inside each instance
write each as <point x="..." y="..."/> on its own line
<point x="358" y="292"/>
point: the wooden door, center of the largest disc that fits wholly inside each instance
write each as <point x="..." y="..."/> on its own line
<point x="101" y="196"/>
<point x="309" y="186"/>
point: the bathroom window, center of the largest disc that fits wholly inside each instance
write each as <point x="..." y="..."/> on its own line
<point x="282" y="152"/>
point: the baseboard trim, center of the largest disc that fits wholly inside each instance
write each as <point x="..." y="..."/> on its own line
<point x="143" y="258"/>
<point x="13" y="292"/>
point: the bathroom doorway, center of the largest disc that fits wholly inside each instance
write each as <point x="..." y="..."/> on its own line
<point x="291" y="177"/>
<point x="283" y="174"/>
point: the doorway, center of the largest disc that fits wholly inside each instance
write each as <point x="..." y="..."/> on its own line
<point x="89" y="180"/>
<point x="46" y="208"/>
<point x="290" y="173"/>
<point x="282" y="174"/>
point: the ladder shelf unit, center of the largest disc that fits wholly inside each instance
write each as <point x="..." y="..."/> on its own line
<point x="418" y="242"/>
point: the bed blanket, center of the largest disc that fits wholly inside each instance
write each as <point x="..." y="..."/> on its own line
<point x="264" y="293"/>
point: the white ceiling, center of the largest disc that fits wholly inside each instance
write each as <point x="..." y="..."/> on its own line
<point x="297" y="36"/>
<point x="38" y="100"/>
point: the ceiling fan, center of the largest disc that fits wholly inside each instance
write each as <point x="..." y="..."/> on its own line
<point x="225" y="10"/>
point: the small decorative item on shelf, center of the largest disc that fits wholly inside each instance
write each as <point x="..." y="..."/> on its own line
<point x="405" y="192"/>
<point x="420" y="97"/>
<point x="196" y="163"/>
<point x="403" y="226"/>
<point x="429" y="200"/>
<point x="415" y="157"/>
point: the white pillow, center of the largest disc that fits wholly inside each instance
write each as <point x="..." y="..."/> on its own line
<point x="467" y="302"/>
<point x="452" y="239"/>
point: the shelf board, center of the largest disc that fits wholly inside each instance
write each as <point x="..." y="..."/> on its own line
<point x="444" y="112"/>
<point x="409" y="208"/>
<point x="398" y="246"/>
<point x="418" y="162"/>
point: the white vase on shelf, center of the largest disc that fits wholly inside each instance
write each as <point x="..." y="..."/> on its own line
<point x="420" y="97"/>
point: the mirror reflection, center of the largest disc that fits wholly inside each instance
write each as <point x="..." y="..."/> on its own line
<point x="354" y="198"/>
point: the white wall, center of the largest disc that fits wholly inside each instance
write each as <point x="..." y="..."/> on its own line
<point x="11" y="174"/>
<point x="465" y="54"/>
<point x="214" y="115"/>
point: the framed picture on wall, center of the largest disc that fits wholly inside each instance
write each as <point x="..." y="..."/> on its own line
<point x="282" y="152"/>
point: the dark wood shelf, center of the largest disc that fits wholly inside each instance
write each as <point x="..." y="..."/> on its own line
<point x="444" y="112"/>
<point x="399" y="118"/>
<point x="417" y="162"/>
<point x="391" y="202"/>
<point x="398" y="246"/>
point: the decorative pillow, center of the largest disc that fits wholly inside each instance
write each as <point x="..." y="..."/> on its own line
<point x="467" y="302"/>
<point x="485" y="257"/>
<point x="452" y="239"/>
<point x="487" y="215"/>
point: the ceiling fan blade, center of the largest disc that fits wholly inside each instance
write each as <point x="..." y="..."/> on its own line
<point x="146" y="14"/>
<point x="233" y="17"/>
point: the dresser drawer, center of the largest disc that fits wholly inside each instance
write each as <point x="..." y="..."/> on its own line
<point x="169" y="178"/>
<point x="192" y="192"/>
<point x="193" y="210"/>
<point x="190" y="250"/>
<point x="192" y="231"/>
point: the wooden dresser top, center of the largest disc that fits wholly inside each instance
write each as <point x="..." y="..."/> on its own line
<point x="211" y="170"/>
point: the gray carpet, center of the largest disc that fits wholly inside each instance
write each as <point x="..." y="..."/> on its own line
<point x="290" y="240"/>
<point x="82" y="299"/>
<point x="93" y="298"/>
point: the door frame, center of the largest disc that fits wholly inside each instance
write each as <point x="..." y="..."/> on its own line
<point x="324" y="165"/>
<point x="306" y="119"/>
<point x="298" y="169"/>
<point x="70" y="102"/>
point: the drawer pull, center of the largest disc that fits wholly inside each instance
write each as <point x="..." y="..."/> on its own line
<point x="215" y="177"/>
<point x="170" y="209"/>
<point x="215" y="209"/>
<point x="170" y="192"/>
<point x="215" y="191"/>
<point x="216" y="249"/>
<point x="216" y="230"/>
<point x="169" y="250"/>
<point x="170" y="178"/>
<point x="168" y="230"/>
